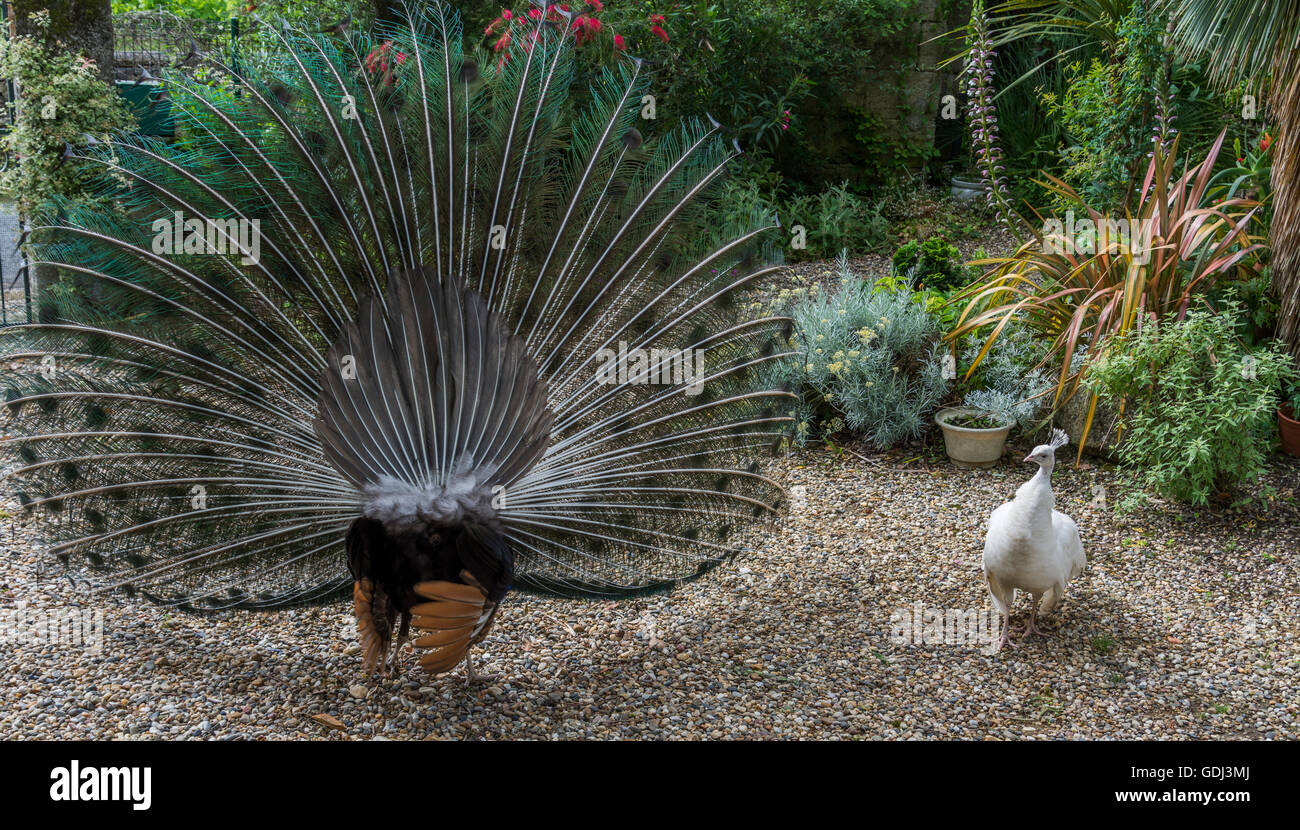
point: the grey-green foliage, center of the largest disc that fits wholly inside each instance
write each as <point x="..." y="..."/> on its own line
<point x="1011" y="384"/>
<point x="868" y="359"/>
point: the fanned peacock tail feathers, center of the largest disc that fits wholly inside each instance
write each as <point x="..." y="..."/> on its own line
<point x="162" y="414"/>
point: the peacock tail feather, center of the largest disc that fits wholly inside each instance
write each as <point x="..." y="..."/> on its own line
<point x="165" y="404"/>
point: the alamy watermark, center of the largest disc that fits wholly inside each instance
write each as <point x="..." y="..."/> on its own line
<point x="1085" y="236"/>
<point x="81" y="628"/>
<point x="666" y="367"/>
<point x="919" y="625"/>
<point x="177" y="235"/>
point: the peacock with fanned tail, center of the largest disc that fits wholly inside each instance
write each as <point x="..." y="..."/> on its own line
<point x="354" y="334"/>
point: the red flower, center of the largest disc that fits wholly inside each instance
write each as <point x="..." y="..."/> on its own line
<point x="658" y="18"/>
<point x="619" y="44"/>
<point x="580" y="32"/>
<point x="502" y="43"/>
<point x="658" y="32"/>
<point x="593" y="24"/>
<point x="377" y="61"/>
<point x="596" y="4"/>
<point x="506" y="14"/>
<point x="534" y="13"/>
<point x="1265" y="143"/>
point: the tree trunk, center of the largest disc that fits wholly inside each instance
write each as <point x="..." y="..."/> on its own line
<point x="84" y="26"/>
<point x="1286" y="212"/>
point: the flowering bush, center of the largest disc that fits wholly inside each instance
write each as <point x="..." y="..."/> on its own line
<point x="382" y="60"/>
<point x="867" y="360"/>
<point x="583" y="20"/>
<point x="63" y="101"/>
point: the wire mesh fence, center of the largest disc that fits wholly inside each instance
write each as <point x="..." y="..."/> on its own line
<point x="158" y="40"/>
<point x="15" y="281"/>
<point x="15" y="284"/>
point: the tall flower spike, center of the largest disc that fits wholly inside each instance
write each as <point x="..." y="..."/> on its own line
<point x="977" y="77"/>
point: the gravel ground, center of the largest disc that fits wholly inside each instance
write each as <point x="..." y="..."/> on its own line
<point x="1184" y="625"/>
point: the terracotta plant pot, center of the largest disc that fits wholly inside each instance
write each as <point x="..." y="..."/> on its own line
<point x="1289" y="428"/>
<point x="968" y="447"/>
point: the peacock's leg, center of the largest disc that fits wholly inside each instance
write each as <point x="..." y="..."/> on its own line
<point x="472" y="676"/>
<point x="1030" y="628"/>
<point x="394" y="661"/>
<point x="1005" y="639"/>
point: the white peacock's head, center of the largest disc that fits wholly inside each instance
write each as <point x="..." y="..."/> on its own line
<point x="1044" y="455"/>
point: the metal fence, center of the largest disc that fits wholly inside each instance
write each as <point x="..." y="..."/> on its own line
<point x="158" y="40"/>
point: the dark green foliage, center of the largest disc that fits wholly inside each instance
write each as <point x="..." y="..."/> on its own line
<point x="1198" y="407"/>
<point x="933" y="264"/>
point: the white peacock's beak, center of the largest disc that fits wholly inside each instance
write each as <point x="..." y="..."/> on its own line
<point x="1029" y="458"/>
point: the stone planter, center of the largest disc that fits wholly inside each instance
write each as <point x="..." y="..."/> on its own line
<point x="967" y="190"/>
<point x="1288" y="427"/>
<point x="1103" y="437"/>
<point x="968" y="447"/>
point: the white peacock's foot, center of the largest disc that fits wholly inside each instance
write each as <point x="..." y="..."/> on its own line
<point x="1030" y="628"/>
<point x="1005" y="640"/>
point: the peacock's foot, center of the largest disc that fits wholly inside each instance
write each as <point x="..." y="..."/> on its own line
<point x="1005" y="640"/>
<point x="472" y="676"/>
<point x="1030" y="628"/>
<point x="393" y="665"/>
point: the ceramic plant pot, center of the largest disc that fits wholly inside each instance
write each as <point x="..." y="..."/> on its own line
<point x="967" y="446"/>
<point x="967" y="190"/>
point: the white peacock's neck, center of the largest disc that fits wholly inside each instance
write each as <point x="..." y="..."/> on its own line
<point x="1037" y="490"/>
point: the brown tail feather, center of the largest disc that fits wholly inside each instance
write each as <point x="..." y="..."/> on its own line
<point x="375" y="616"/>
<point x="460" y="616"/>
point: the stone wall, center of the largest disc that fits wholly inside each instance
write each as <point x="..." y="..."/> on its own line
<point x="887" y="118"/>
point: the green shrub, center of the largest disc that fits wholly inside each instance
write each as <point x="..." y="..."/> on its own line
<point x="833" y="220"/>
<point x="775" y="73"/>
<point x="1198" y="406"/>
<point x="1109" y="111"/>
<point x="64" y="102"/>
<point x="826" y="223"/>
<point x="933" y="264"/>
<point x="867" y="362"/>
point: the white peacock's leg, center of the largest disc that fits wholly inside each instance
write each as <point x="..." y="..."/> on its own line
<point x="1030" y="628"/>
<point x="1005" y="639"/>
